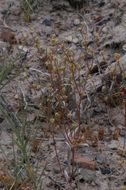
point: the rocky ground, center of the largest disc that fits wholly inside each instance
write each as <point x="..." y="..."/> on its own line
<point x="96" y="34"/>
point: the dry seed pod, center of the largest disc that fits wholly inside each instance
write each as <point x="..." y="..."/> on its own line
<point x="35" y="145"/>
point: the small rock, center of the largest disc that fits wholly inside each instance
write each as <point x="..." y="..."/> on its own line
<point x="75" y="40"/>
<point x="119" y="34"/>
<point x="113" y="145"/>
<point x="31" y="117"/>
<point x="71" y="39"/>
<point x="56" y="170"/>
<point x="23" y="48"/>
<point x="16" y="97"/>
<point x="124" y="47"/>
<point x="105" y="171"/>
<point x="86" y="176"/>
<point x="121" y="130"/>
<point x="105" y="29"/>
<point x="116" y="67"/>
<point x="76" y="22"/>
<point x="101" y="159"/>
<point x="46" y="22"/>
<point x="73" y="185"/>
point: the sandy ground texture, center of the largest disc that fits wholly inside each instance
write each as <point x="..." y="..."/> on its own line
<point x="100" y="164"/>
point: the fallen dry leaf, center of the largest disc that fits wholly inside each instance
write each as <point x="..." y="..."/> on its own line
<point x="101" y="134"/>
<point x="84" y="162"/>
<point x="8" y="36"/>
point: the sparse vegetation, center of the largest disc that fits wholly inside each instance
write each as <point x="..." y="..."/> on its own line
<point x="50" y="100"/>
<point x="28" y="7"/>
